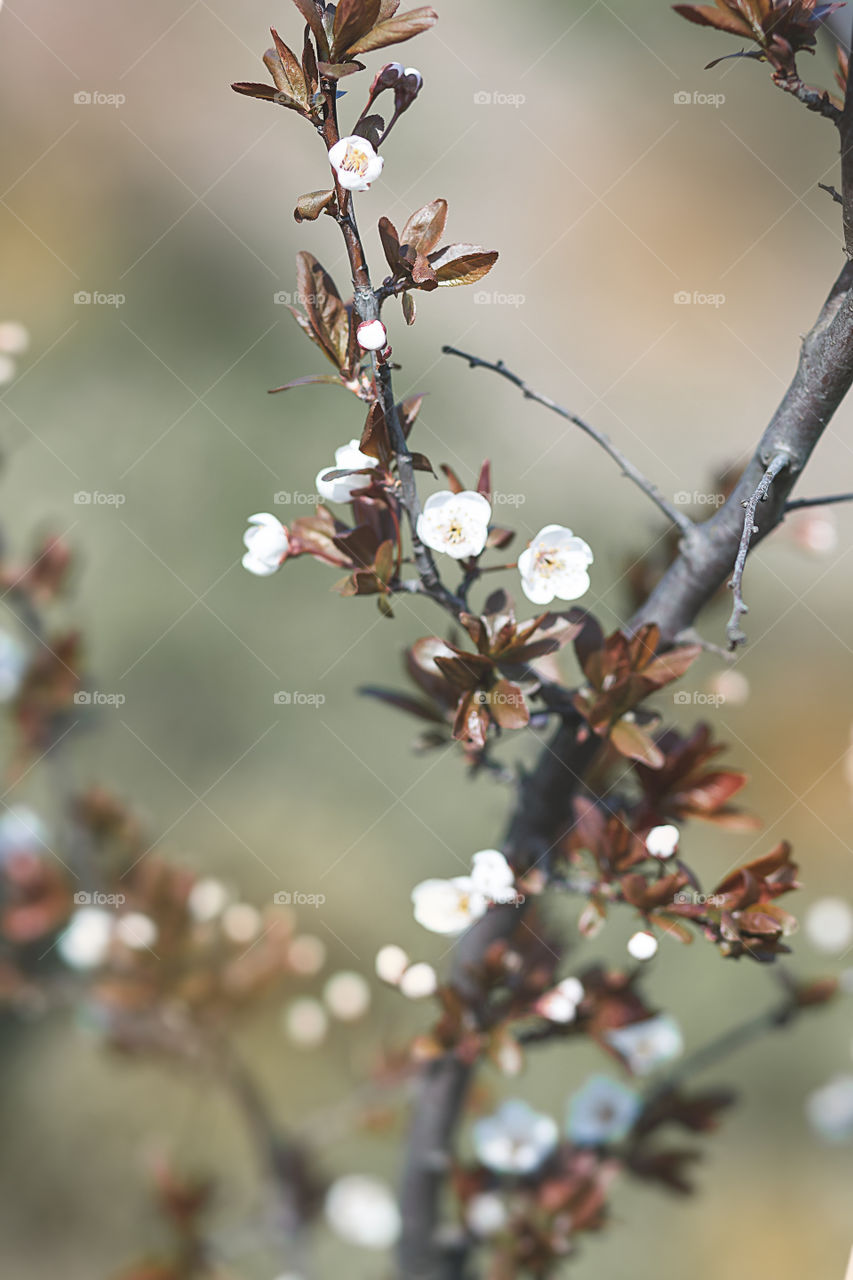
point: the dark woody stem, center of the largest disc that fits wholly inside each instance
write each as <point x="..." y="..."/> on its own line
<point x="367" y="306"/>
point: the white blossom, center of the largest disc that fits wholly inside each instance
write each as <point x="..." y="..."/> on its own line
<point x="86" y="942"/>
<point x="363" y="1211"/>
<point x="602" y="1111"/>
<point x="486" y="1214"/>
<point x="13" y="664"/>
<point x="7" y="369"/>
<point x="307" y="954"/>
<point x="14" y="338"/>
<point x="555" y="565"/>
<point x="348" y="458"/>
<point x="448" y="906"/>
<point x="267" y="543"/>
<point x="391" y="963"/>
<point x="515" y="1138"/>
<point x="241" y="922"/>
<point x="561" y="1003"/>
<point x="456" y="524"/>
<point x="356" y="163"/>
<point x="493" y="876"/>
<point x="643" y="945"/>
<point x="306" y="1022"/>
<point x="649" y="1044"/>
<point x="347" y="996"/>
<point x="830" y="1109"/>
<point x="372" y="335"/>
<point x="662" y="842"/>
<point x="419" y="981"/>
<point x="22" y="831"/>
<point x="136" y="931"/>
<point x="207" y="899"/>
<point x="829" y="925"/>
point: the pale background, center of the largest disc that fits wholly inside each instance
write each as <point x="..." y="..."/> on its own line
<point x="606" y="197"/>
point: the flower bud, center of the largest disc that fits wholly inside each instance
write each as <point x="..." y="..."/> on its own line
<point x="372" y="335"/>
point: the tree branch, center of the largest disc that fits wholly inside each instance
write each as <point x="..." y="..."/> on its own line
<point x="823" y="378"/>
<point x="733" y="631"/>
<point x="801" y="504"/>
<point x="676" y="517"/>
<point x="544" y="808"/>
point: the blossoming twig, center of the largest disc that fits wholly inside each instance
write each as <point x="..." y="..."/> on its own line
<point x="734" y="632"/>
<point x="676" y="517"/>
<point x="367" y="304"/>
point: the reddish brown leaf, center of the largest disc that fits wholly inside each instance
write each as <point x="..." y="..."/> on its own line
<point x="459" y="264"/>
<point x="394" y="30"/>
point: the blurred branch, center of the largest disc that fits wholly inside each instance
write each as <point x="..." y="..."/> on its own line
<point x="801" y="504"/>
<point x="676" y="517"/>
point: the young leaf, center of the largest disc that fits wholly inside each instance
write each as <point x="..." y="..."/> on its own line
<point x="632" y="741"/>
<point x="410" y="310"/>
<point x="294" y="77"/>
<point x="353" y="19"/>
<point x="312" y="13"/>
<point x="310" y="206"/>
<point x="462" y="264"/>
<point x="390" y="244"/>
<point x="425" y="228"/>
<point x="394" y="30"/>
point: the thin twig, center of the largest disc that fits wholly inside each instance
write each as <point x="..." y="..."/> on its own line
<point x="800" y="504"/>
<point x="733" y="631"/>
<point x="831" y="191"/>
<point x="676" y="517"/>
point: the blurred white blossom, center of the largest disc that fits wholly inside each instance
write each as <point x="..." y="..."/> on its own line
<point x="829" y="925"/>
<point x="830" y="1109"/>
<point x="603" y="1110"/>
<point x="515" y="1138"/>
<point x="347" y="996"/>
<point x="363" y="1211"/>
<point x="649" y="1044"/>
<point x="662" y="842"/>
<point x="86" y="941"/>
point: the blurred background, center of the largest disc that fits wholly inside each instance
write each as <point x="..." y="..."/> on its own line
<point x="661" y="254"/>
